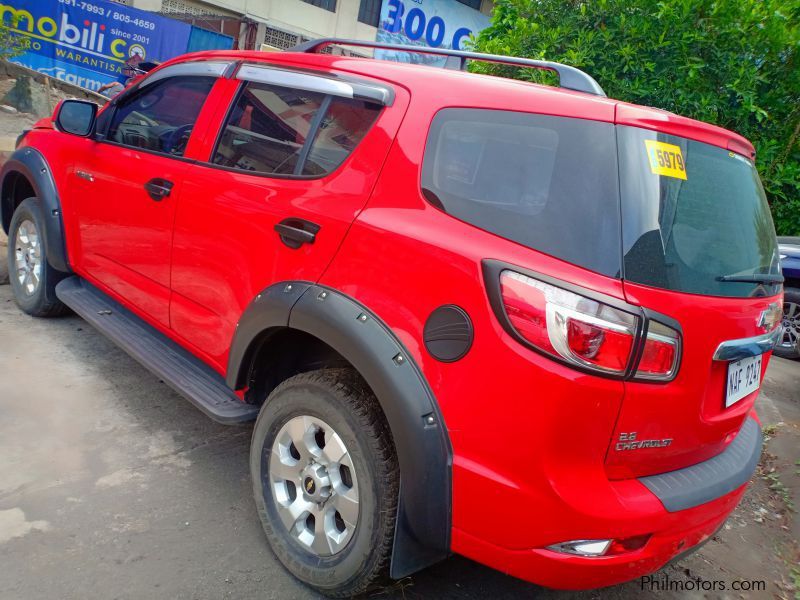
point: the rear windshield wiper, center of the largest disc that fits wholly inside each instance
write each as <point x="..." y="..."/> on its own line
<point x="754" y="278"/>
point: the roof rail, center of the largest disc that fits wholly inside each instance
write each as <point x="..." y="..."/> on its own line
<point x="569" y="77"/>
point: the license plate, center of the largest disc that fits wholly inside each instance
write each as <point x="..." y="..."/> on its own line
<point x="744" y="377"/>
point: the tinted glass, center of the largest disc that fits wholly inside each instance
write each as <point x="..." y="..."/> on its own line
<point x="686" y="234"/>
<point x="344" y="125"/>
<point x="549" y="183"/>
<point x="267" y="128"/>
<point x="161" y="116"/>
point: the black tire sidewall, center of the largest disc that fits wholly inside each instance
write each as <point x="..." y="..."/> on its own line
<point x="337" y="571"/>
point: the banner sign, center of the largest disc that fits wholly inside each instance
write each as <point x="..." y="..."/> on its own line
<point x="435" y="23"/>
<point x="87" y="43"/>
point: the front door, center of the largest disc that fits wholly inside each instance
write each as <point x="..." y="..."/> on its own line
<point x="126" y="189"/>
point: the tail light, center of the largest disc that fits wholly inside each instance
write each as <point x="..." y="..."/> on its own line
<point x="580" y="330"/>
<point x="586" y="332"/>
<point x="660" y="353"/>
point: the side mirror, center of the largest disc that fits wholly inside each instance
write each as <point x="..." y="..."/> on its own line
<point x="76" y="117"/>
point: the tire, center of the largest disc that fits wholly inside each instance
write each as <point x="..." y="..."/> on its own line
<point x="789" y="344"/>
<point x="339" y="403"/>
<point x="36" y="293"/>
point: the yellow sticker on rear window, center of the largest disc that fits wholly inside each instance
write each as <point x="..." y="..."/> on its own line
<point x="666" y="159"/>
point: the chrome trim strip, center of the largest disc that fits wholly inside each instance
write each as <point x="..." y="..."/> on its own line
<point x="747" y="347"/>
<point x="197" y="68"/>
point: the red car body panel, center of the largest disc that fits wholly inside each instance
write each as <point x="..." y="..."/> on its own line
<point x="525" y="430"/>
<point x="675" y="534"/>
<point x="667" y="122"/>
<point x="125" y="236"/>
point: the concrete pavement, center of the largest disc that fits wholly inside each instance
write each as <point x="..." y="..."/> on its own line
<point x="112" y="486"/>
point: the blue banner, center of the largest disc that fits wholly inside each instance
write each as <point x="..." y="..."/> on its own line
<point x="434" y="23"/>
<point x="89" y="43"/>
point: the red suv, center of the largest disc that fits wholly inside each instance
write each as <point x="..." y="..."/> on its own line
<point x="470" y="315"/>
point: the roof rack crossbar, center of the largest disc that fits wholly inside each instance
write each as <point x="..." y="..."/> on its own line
<point x="569" y="77"/>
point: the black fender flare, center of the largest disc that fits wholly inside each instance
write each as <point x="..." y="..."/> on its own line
<point x="28" y="162"/>
<point x="422" y="531"/>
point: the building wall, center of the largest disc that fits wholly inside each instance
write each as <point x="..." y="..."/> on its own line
<point x="282" y="16"/>
<point x="312" y="21"/>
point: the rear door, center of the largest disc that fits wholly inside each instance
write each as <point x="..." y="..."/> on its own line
<point x="698" y="246"/>
<point x="295" y="160"/>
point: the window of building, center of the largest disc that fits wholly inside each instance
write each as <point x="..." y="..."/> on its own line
<point x="476" y="4"/>
<point x="281" y="39"/>
<point x="326" y="4"/>
<point x="369" y="12"/>
<point x="274" y="130"/>
<point x="161" y="116"/>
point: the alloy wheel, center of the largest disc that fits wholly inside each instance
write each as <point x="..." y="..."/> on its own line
<point x="790" y="337"/>
<point x="313" y="483"/>
<point x="28" y="257"/>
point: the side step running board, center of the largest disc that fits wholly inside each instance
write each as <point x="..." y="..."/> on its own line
<point x="179" y="369"/>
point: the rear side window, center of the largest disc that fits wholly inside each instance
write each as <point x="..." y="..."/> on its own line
<point x="345" y="123"/>
<point x="275" y="130"/>
<point x="549" y="183"/>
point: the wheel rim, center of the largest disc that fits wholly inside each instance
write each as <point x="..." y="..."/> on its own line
<point x="28" y="257"/>
<point x="791" y="326"/>
<point x="314" y="486"/>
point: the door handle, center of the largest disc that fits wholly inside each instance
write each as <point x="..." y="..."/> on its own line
<point x="296" y="232"/>
<point x="158" y="188"/>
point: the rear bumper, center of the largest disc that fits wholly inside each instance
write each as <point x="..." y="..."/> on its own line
<point x="681" y="510"/>
<point x="708" y="480"/>
<point x="565" y="572"/>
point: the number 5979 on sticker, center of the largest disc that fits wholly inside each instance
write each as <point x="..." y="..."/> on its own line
<point x="666" y="159"/>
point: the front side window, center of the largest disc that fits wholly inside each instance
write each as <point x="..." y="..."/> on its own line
<point x="161" y="116"/>
<point x="274" y="130"/>
<point x="548" y="183"/>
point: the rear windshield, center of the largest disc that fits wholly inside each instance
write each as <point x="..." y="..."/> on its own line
<point x="695" y="217"/>
<point x="549" y="183"/>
